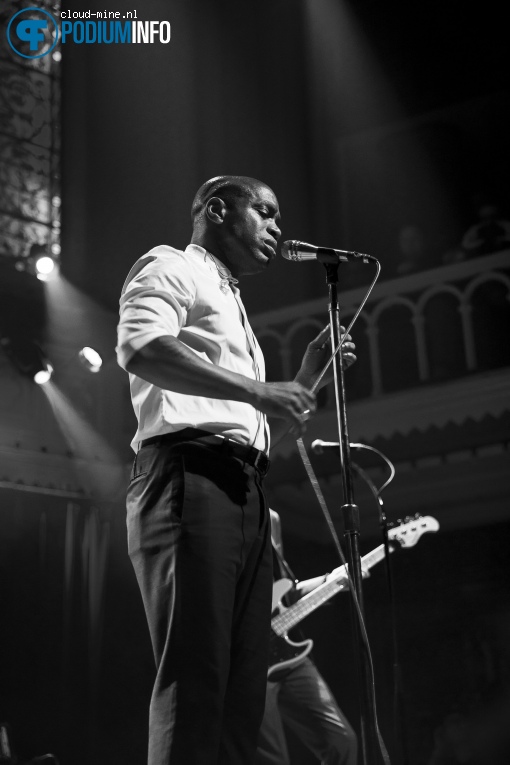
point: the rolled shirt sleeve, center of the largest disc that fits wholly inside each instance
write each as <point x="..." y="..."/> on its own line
<point x="154" y="301"/>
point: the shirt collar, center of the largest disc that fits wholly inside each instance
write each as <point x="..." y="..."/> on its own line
<point x="215" y="266"/>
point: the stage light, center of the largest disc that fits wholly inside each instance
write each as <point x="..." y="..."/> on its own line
<point x="42" y="261"/>
<point x="28" y="358"/>
<point x="91" y="359"/>
<point x="43" y="375"/>
<point x="44" y="267"/>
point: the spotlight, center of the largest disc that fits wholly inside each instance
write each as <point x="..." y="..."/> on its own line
<point x="41" y="261"/>
<point x="90" y="359"/>
<point x="28" y="358"/>
<point x="43" y="267"/>
<point x="43" y="375"/>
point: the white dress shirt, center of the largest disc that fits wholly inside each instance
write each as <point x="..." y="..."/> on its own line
<point x="188" y="295"/>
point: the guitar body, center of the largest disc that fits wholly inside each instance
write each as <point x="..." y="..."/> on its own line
<point x="284" y="653"/>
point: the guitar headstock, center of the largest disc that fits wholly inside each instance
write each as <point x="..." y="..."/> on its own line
<point x="408" y="532"/>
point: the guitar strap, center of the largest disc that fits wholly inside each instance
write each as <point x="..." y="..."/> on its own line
<point x="279" y="563"/>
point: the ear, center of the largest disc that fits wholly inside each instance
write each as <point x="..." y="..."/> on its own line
<point x="216" y="210"/>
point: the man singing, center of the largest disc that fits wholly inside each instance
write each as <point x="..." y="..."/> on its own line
<point x="198" y="524"/>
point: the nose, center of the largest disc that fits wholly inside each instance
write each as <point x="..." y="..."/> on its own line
<point x="274" y="230"/>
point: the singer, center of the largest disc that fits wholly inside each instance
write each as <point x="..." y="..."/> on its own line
<point x="198" y="523"/>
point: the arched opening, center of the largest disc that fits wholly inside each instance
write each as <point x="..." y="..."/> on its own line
<point x="397" y="349"/>
<point x="491" y="323"/>
<point x="358" y="379"/>
<point x="443" y="337"/>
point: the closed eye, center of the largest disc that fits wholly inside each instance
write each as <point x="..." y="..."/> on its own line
<point x="269" y="212"/>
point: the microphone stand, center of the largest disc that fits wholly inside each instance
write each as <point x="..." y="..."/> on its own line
<point x="351" y="519"/>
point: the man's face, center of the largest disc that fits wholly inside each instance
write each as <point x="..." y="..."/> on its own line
<point x="251" y="232"/>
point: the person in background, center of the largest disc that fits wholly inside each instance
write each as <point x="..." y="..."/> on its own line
<point x="490" y="234"/>
<point x="301" y="699"/>
<point x="412" y="251"/>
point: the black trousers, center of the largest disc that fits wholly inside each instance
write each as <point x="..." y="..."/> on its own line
<point x="199" y="541"/>
<point x="303" y="701"/>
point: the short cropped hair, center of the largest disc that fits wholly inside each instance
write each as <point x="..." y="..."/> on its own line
<point x="230" y="188"/>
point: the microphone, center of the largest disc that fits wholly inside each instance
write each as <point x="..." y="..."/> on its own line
<point x="318" y="446"/>
<point x="294" y="250"/>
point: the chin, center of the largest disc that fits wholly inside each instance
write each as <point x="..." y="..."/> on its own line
<point x="261" y="265"/>
<point x="255" y="266"/>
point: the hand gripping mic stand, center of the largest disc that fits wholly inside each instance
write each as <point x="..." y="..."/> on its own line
<point x="350" y="514"/>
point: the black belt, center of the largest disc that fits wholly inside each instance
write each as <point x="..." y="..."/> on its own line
<point x="249" y="454"/>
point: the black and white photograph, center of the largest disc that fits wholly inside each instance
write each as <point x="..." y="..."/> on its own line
<point x="254" y="383"/>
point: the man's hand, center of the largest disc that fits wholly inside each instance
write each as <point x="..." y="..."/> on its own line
<point x="318" y="354"/>
<point x="338" y="575"/>
<point x="171" y="365"/>
<point x="341" y="573"/>
<point x="289" y="401"/>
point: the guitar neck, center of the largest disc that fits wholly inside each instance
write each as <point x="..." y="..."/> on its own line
<point x="291" y="616"/>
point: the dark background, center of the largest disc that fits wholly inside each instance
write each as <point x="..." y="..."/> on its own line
<point x="275" y="89"/>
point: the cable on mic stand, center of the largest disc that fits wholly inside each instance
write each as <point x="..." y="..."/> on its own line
<point x="370" y="735"/>
<point x="359" y="613"/>
<point x="398" y="697"/>
<point x="338" y="347"/>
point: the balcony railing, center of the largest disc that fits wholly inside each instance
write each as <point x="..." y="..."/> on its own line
<point x="420" y="329"/>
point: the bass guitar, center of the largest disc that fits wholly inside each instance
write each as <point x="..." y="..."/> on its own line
<point x="284" y="653"/>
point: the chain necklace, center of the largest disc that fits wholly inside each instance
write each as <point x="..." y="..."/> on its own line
<point x="226" y="278"/>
